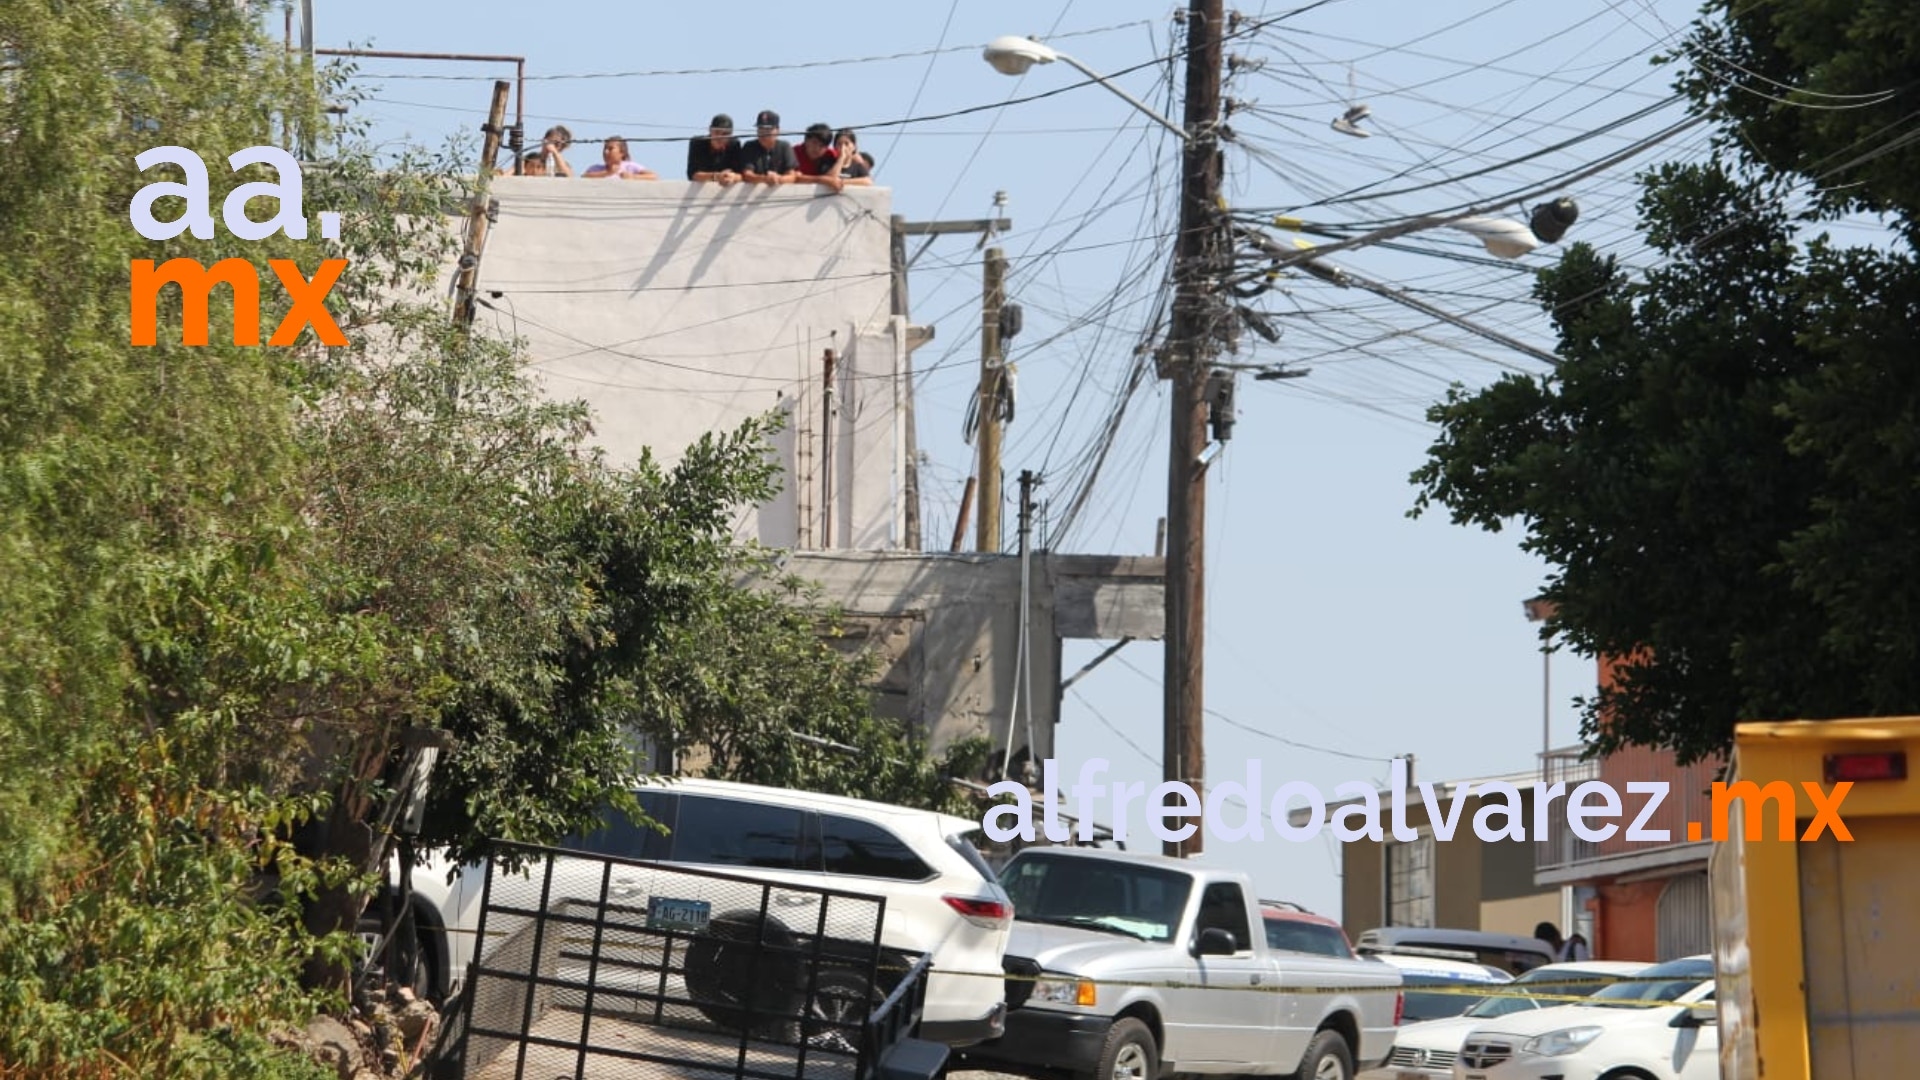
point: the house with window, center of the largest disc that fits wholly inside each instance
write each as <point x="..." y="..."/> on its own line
<point x="1637" y="897"/>
<point x="1459" y="883"/>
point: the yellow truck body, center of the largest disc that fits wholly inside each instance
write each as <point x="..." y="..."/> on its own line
<point x="1817" y="939"/>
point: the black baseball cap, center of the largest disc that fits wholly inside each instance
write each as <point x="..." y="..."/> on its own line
<point x="722" y="122"/>
<point x="767" y="118"/>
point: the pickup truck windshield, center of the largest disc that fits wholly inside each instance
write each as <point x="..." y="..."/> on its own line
<point x="1139" y="901"/>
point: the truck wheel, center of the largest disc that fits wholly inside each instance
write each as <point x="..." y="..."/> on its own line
<point x="1328" y="1058"/>
<point x="1129" y="1053"/>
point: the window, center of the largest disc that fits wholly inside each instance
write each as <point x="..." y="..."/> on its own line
<point x="1143" y="902"/>
<point x="863" y="849"/>
<point x="735" y="832"/>
<point x="1418" y="1005"/>
<point x="1223" y="906"/>
<point x="1292" y="935"/>
<point x="620" y="838"/>
<point x="970" y="852"/>
<point x="1410" y="883"/>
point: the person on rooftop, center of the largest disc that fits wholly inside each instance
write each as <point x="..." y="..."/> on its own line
<point x="816" y="158"/>
<point x="768" y="159"/>
<point x="856" y="166"/>
<point x="615" y="161"/>
<point x="715" y="158"/>
<point x="553" y="147"/>
<point x="533" y="163"/>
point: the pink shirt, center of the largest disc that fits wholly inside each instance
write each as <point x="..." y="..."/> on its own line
<point x="627" y="168"/>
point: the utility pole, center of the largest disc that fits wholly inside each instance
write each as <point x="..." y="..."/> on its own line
<point x="481" y="210"/>
<point x="1187" y="362"/>
<point x="987" y="228"/>
<point x="992" y="367"/>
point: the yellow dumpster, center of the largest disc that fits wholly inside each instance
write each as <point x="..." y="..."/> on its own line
<point x="1816" y="901"/>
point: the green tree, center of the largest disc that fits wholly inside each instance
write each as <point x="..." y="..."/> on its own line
<point x="149" y="613"/>
<point x="238" y="581"/>
<point x="1818" y="90"/>
<point x="1720" y="472"/>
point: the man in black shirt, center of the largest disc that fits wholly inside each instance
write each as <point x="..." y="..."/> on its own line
<point x="716" y="157"/>
<point x="769" y="158"/>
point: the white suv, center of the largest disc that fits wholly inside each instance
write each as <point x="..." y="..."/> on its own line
<point x="941" y="896"/>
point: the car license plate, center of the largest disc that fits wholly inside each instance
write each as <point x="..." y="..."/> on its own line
<point x="666" y="913"/>
<point x="1406" y="1075"/>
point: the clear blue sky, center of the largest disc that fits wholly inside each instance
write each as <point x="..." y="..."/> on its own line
<point x="1339" y="632"/>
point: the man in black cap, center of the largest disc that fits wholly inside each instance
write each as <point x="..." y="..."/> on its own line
<point x="769" y="158"/>
<point x="716" y="157"/>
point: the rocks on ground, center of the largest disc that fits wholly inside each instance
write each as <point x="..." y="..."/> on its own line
<point x="386" y="1036"/>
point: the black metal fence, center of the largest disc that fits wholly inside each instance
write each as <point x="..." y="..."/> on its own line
<point x="591" y="966"/>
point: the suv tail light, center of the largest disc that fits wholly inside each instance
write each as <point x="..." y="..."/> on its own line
<point x="1399" y="1007"/>
<point x="991" y="914"/>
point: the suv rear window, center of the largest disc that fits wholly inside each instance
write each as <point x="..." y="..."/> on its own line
<point x="863" y="849"/>
<point x="963" y="843"/>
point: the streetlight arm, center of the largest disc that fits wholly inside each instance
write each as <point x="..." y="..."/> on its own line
<point x="1130" y="99"/>
<point x="1421" y="223"/>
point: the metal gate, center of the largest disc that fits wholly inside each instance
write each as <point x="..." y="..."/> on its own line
<point x="590" y="966"/>
<point x="1683" y="918"/>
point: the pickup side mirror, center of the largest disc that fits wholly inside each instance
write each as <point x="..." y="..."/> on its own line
<point x="1215" y="942"/>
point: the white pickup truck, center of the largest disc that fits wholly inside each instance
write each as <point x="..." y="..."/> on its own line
<point x="1135" y="967"/>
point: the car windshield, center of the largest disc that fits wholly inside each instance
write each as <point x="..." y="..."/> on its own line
<point x="1458" y="996"/>
<point x="1143" y="902"/>
<point x="1298" y="935"/>
<point x="1560" y="984"/>
<point x="1665" y="982"/>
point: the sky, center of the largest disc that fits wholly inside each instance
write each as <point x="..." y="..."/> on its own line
<point x="1340" y="632"/>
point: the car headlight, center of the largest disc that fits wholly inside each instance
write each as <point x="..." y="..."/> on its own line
<point x="1064" y="990"/>
<point x="1562" y="1042"/>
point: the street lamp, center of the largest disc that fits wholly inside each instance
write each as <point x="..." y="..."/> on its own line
<point x="1502" y="237"/>
<point x="1186" y="362"/>
<point x="1012" y="55"/>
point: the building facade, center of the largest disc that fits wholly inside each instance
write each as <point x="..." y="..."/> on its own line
<point x="1461" y="883"/>
<point x="676" y="310"/>
<point x="1636" y="899"/>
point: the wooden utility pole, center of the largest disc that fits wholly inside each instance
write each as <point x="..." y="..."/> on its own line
<point x="1187" y="362"/>
<point x="826" y="453"/>
<point x="477" y="215"/>
<point x="902" y="262"/>
<point x="992" y="367"/>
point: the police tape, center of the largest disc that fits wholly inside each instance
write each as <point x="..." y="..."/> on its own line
<point x="1531" y="990"/>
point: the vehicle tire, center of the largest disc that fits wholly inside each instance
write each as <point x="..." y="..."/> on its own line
<point x="737" y="958"/>
<point x="1328" y="1057"/>
<point x="841" y="997"/>
<point x="411" y="959"/>
<point x="1129" y="1054"/>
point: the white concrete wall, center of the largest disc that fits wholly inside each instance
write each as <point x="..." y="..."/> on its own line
<point x="677" y="309"/>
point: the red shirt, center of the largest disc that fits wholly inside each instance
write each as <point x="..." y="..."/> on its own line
<point x="812" y="166"/>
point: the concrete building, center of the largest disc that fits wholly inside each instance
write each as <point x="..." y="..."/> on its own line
<point x="677" y="309"/>
<point x="1462" y="883"/>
